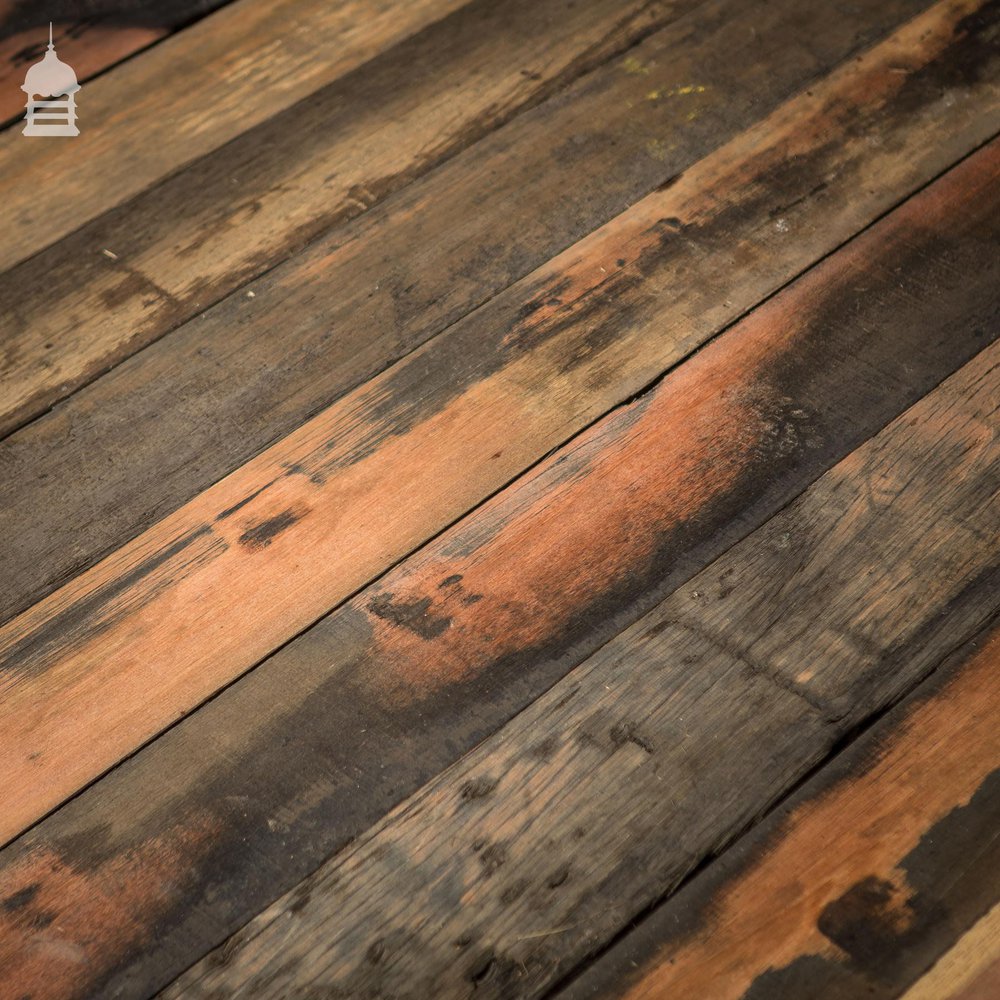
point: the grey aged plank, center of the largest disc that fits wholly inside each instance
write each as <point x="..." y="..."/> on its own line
<point x="879" y="878"/>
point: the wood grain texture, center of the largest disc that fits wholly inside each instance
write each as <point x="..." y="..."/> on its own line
<point x="171" y="421"/>
<point x="72" y="312"/>
<point x="417" y="669"/>
<point x="151" y="627"/>
<point x="885" y="863"/>
<point x="970" y="970"/>
<point x="100" y="666"/>
<point x="545" y="841"/>
<point x="191" y="94"/>
<point x="91" y="36"/>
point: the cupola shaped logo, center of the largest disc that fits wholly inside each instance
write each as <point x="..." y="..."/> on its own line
<point x="55" y="82"/>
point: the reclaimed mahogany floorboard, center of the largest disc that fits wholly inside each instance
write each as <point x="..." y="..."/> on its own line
<point x="175" y="418"/>
<point x="89" y="36"/>
<point x="127" y="648"/>
<point x="73" y="312"/>
<point x="149" y="117"/>
<point x="880" y="878"/>
<point x="190" y="837"/>
<point x="540" y="845"/>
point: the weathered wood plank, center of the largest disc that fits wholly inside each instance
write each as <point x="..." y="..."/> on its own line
<point x="545" y="841"/>
<point x="883" y="862"/>
<point x="220" y="817"/>
<point x="188" y="95"/>
<point x="180" y="415"/>
<point x="143" y="637"/>
<point x="91" y="36"/>
<point x="147" y="634"/>
<point x="970" y="970"/>
<point x="72" y="312"/>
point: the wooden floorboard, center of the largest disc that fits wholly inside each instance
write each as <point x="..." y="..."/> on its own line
<point x="91" y="37"/>
<point x="416" y="670"/>
<point x="197" y="404"/>
<point x="501" y="499"/>
<point x="255" y="201"/>
<point x="536" y="848"/>
<point x="127" y="648"/>
<point x="189" y="95"/>
<point x="880" y="878"/>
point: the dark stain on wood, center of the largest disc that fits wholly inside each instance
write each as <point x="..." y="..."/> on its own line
<point x="229" y="511"/>
<point x="412" y="615"/>
<point x="17" y="900"/>
<point x="259" y="536"/>
<point x="867" y="919"/>
<point x="889" y="934"/>
<point x="99" y="610"/>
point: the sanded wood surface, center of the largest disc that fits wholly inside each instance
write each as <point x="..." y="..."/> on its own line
<point x="418" y="668"/>
<point x="187" y="96"/>
<point x="195" y="405"/>
<point x="884" y="865"/>
<point x="532" y="851"/>
<point x="130" y="646"/>
<point x="90" y="36"/>
<point x="252" y="203"/>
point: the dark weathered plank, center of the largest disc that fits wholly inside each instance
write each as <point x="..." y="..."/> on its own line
<point x="146" y="635"/>
<point x="177" y="417"/>
<point x="91" y="36"/>
<point x="188" y="95"/>
<point x="544" y="842"/>
<point x="220" y="816"/>
<point x="72" y="312"/>
<point x="880" y="865"/>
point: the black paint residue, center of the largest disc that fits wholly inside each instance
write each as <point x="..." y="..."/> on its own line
<point x="20" y="899"/>
<point x="229" y="511"/>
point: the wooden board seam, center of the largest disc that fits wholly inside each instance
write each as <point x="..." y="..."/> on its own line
<point x="578" y="69"/>
<point x="921" y="690"/>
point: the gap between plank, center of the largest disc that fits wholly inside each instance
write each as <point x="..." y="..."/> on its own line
<point x="578" y="69"/>
<point x="840" y="747"/>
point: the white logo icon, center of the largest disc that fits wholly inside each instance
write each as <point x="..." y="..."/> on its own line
<point x="52" y="79"/>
